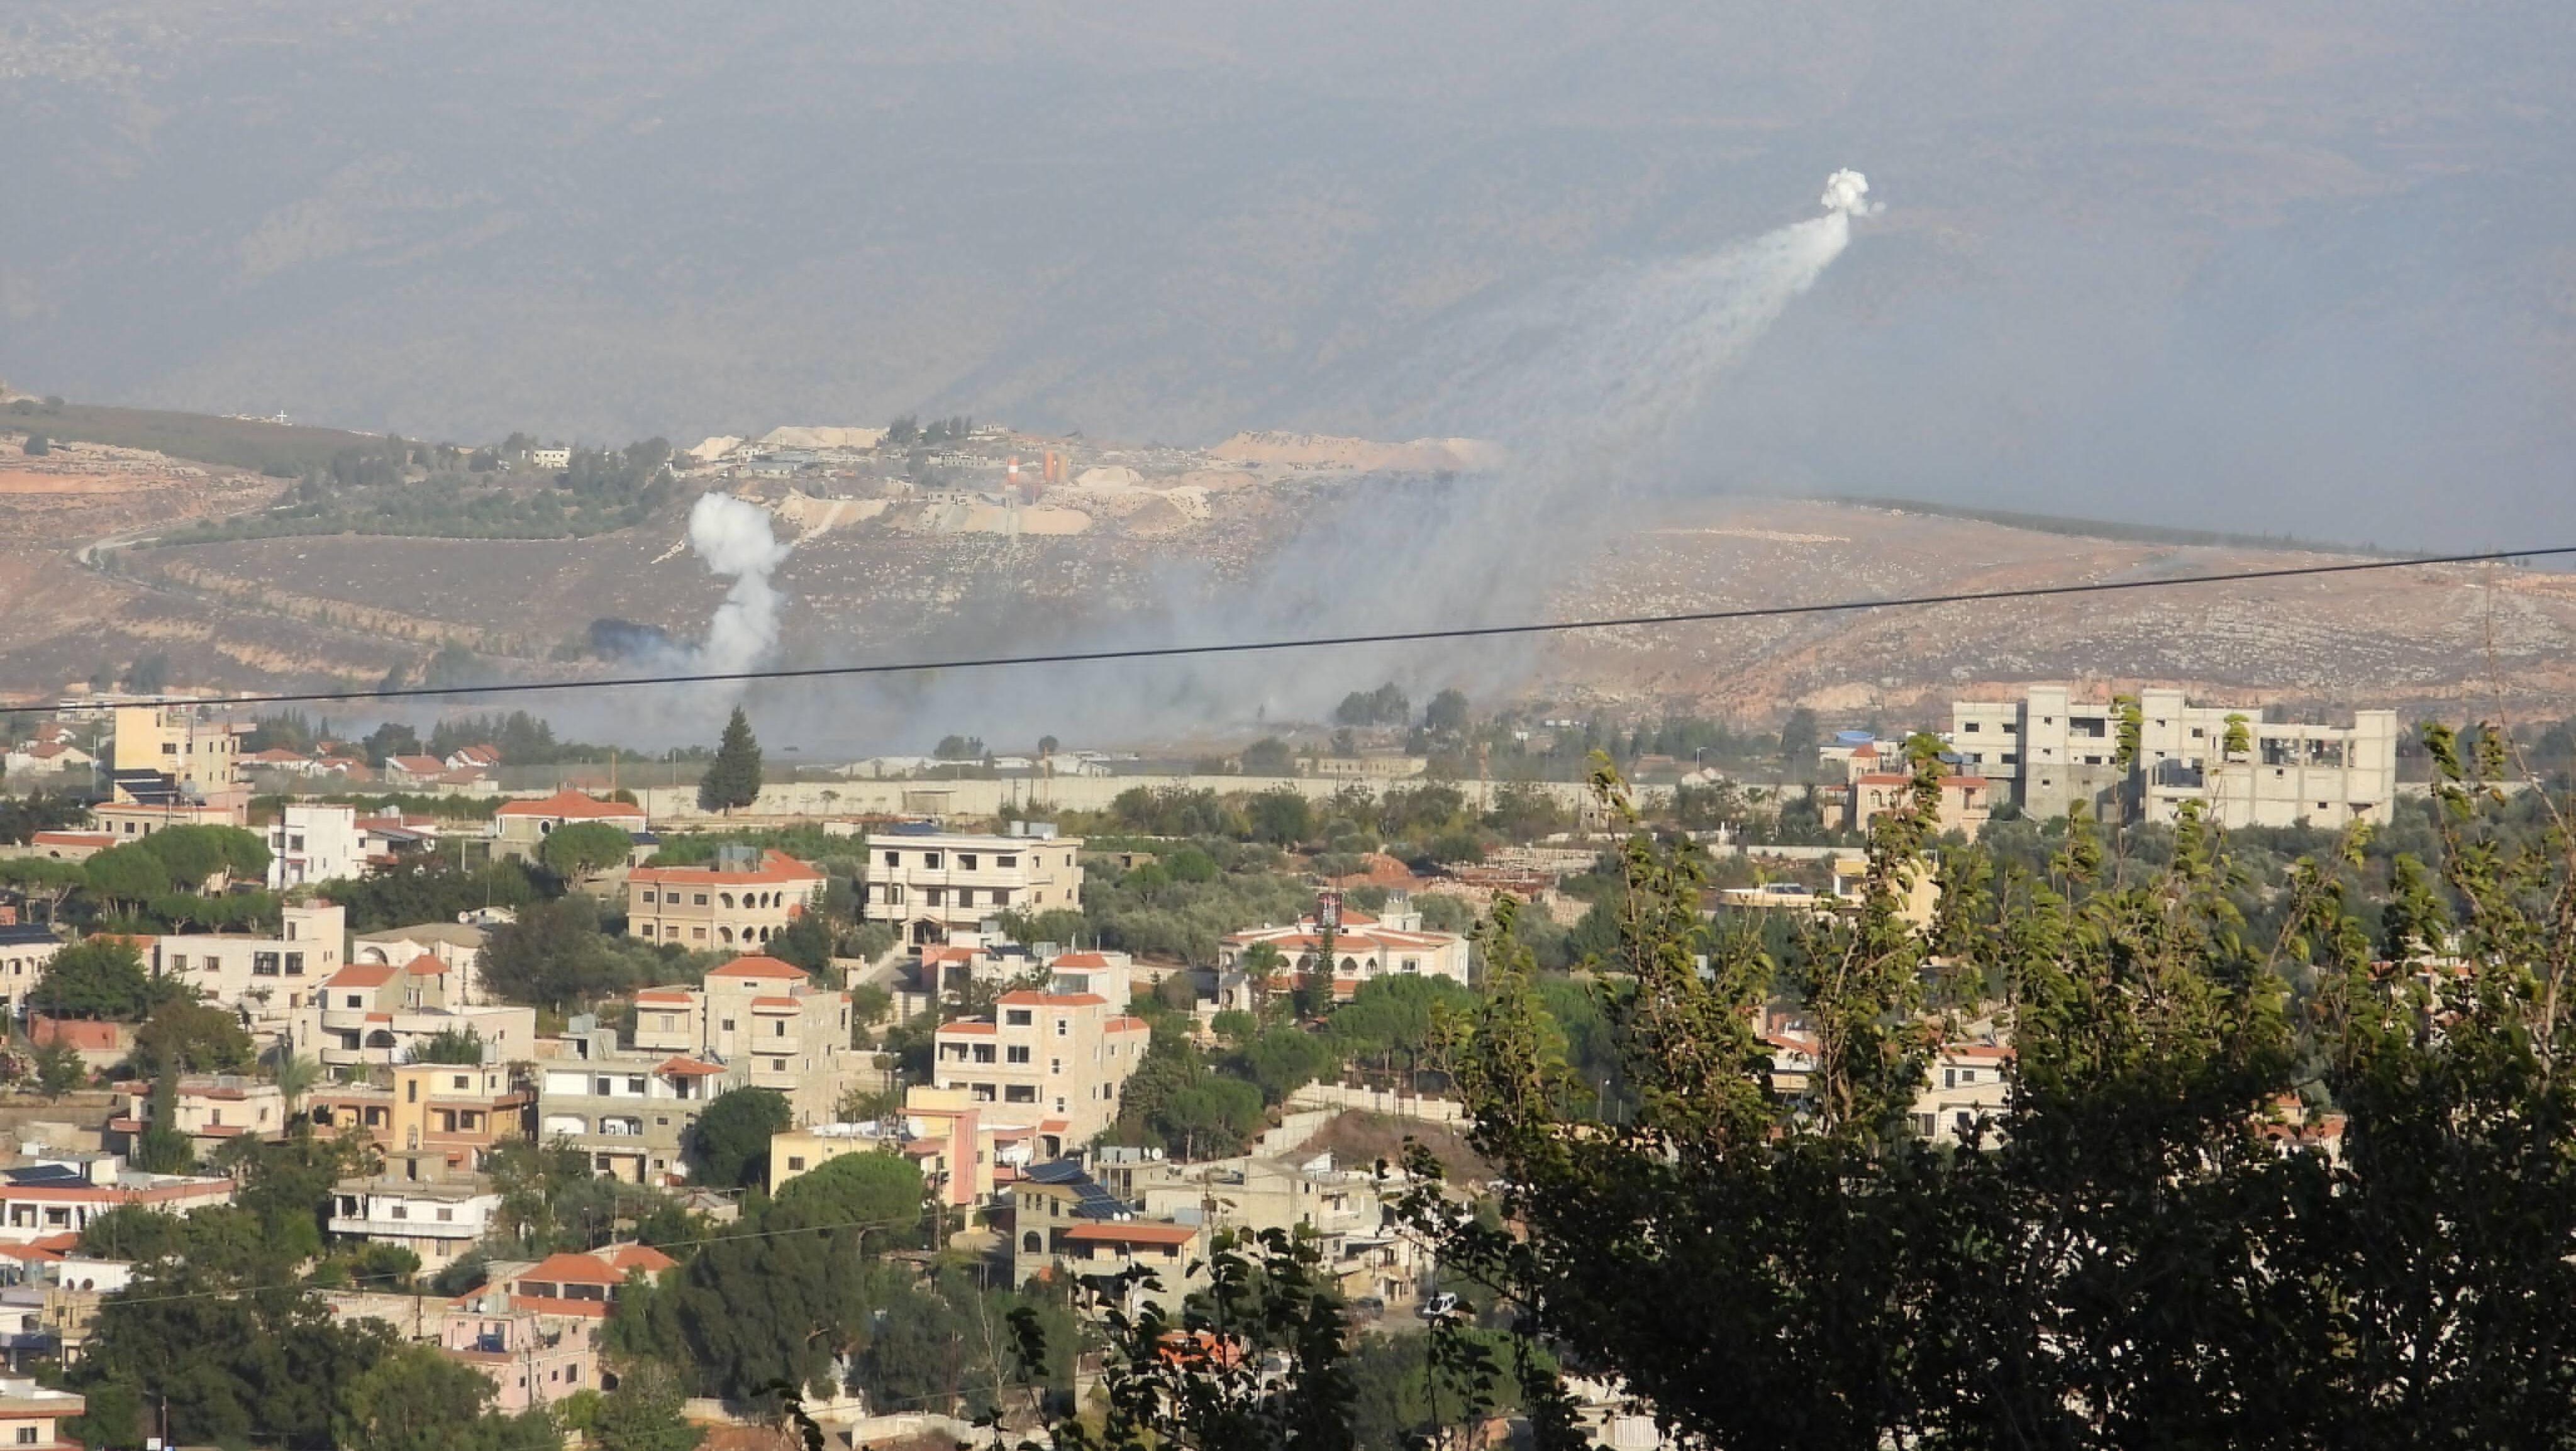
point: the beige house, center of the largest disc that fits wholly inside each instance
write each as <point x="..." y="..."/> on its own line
<point x="630" y="1110"/>
<point x="33" y="1414"/>
<point x="737" y="902"/>
<point x="210" y="1111"/>
<point x="933" y="883"/>
<point x="1065" y="1222"/>
<point x="1364" y="948"/>
<point x="1061" y="1056"/>
<point x="420" y="1203"/>
<point x="377" y="1013"/>
<point x="1962" y="1082"/>
<point x="1967" y="802"/>
<point x="957" y="1143"/>
<point x="770" y="1027"/>
<point x="268" y="975"/>
<point x="518" y="826"/>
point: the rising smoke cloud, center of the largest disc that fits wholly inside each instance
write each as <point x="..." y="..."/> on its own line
<point x="1586" y="381"/>
<point x="733" y="537"/>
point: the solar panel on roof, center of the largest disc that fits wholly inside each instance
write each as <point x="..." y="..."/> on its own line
<point x="1055" y="1171"/>
<point x="1090" y="1201"/>
<point x="41" y="1174"/>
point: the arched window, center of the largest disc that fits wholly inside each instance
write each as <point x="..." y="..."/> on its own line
<point x="724" y="934"/>
<point x="725" y="897"/>
<point x="1032" y="1243"/>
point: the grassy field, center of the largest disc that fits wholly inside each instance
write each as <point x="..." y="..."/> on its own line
<point x="282" y="451"/>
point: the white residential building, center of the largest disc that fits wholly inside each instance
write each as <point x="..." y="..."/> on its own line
<point x="935" y="883"/>
<point x="267" y="975"/>
<point x="314" y="844"/>
<point x="419" y="1204"/>
<point x="2056" y="749"/>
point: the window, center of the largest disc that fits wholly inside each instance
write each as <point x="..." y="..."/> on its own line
<point x="1063" y="1027"/>
<point x="26" y="1435"/>
<point x="461" y="1082"/>
<point x="930" y="859"/>
<point x="777" y="1065"/>
<point x="894" y="858"/>
<point x="1019" y="1093"/>
<point x="1016" y="1053"/>
<point x="446" y="1215"/>
<point x="933" y="896"/>
<point x="965" y="861"/>
<point x="635" y="1084"/>
<point x="603" y="1087"/>
<point x="1969" y="726"/>
<point x="1006" y="863"/>
<point x="1055" y="1065"/>
<point x="648" y="891"/>
<point x="265" y="964"/>
<point x="795" y="1164"/>
<point x="728" y="1025"/>
<point x="965" y="897"/>
<point x="778" y="1028"/>
<point x="984" y="1053"/>
<point x="398" y="1212"/>
<point x="295" y="964"/>
<point x="354" y="1001"/>
<point x="702" y="901"/>
<point x="1016" y="1017"/>
<point x="178" y="962"/>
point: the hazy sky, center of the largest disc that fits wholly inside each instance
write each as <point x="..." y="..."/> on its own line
<point x="2297" y="266"/>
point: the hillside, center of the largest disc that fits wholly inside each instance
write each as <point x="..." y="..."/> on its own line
<point x="885" y="584"/>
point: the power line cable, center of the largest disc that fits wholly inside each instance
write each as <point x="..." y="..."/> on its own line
<point x="1390" y="637"/>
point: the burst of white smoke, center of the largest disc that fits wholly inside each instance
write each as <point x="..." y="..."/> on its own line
<point x="732" y="536"/>
<point x="1848" y="191"/>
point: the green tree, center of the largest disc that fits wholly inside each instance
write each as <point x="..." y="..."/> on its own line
<point x="294" y="1074"/>
<point x="98" y="977"/>
<point x="59" y="1068"/>
<point x="1799" y="737"/>
<point x="880" y="1194"/>
<point x="807" y="943"/>
<point x="1280" y="817"/>
<point x="730" y="1142"/>
<point x="128" y="877"/>
<point x="732" y="781"/>
<point x="449" y="1045"/>
<point x="552" y="956"/>
<point x="197" y="855"/>
<point x="37" y="445"/>
<point x="1447" y="713"/>
<point x="643" y="1413"/>
<point x="1269" y="756"/>
<point x="162" y="1147"/>
<point x="43" y="879"/>
<point x="184" y="1035"/>
<point x="416" y="1398"/>
<point x="582" y="849"/>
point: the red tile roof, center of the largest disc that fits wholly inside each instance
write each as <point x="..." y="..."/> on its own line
<point x="363" y="974"/>
<point x="1131" y="1233"/>
<point x="1054" y="1000"/>
<point x="775" y="867"/>
<point x="757" y="965"/>
<point x="686" y="1067"/>
<point x="571" y="805"/>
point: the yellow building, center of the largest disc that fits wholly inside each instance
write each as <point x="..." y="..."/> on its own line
<point x="179" y="741"/>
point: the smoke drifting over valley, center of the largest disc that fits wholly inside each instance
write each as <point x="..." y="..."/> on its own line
<point x="2297" y="268"/>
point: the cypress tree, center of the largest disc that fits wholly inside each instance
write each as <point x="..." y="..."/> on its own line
<point x="734" y="778"/>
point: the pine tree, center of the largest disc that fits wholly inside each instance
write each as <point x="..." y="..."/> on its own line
<point x="734" y="778"/>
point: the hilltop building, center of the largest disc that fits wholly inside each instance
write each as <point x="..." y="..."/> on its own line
<point x="2057" y="751"/>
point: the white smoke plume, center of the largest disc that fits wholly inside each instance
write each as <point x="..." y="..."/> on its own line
<point x="733" y="537"/>
<point x="1848" y="191"/>
<point x="1587" y="382"/>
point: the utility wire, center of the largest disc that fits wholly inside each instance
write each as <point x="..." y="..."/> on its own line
<point x="1391" y="637"/>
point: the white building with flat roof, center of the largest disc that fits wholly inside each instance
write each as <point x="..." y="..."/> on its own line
<point x="2057" y="748"/>
<point x="934" y="883"/>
